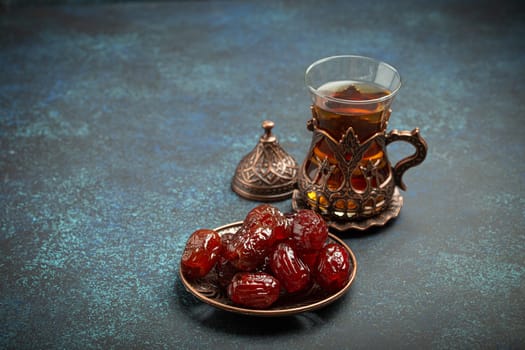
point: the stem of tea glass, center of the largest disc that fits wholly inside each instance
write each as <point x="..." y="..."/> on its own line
<point x="346" y="174"/>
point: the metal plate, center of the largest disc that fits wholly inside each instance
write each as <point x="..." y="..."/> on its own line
<point x="207" y="290"/>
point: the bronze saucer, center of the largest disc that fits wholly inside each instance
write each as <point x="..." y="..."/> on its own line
<point x="391" y="212"/>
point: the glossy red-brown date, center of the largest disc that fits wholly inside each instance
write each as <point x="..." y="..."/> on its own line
<point x="289" y="269"/>
<point x="333" y="268"/>
<point x="249" y="247"/>
<point x="263" y="226"/>
<point x="269" y="216"/>
<point x="201" y="253"/>
<point x="258" y="290"/>
<point x="309" y="231"/>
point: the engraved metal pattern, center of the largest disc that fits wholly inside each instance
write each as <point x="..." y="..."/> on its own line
<point x="207" y="289"/>
<point x="267" y="173"/>
<point x="344" y="202"/>
<point x="342" y="205"/>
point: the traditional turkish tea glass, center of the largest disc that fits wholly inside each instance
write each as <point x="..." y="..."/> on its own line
<point x="347" y="174"/>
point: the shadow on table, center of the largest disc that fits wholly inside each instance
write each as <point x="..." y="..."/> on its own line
<point x="228" y="322"/>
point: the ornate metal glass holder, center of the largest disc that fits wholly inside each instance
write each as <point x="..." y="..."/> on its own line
<point x="346" y="175"/>
<point x="346" y="206"/>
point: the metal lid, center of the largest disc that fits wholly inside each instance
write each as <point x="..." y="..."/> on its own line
<point x="268" y="172"/>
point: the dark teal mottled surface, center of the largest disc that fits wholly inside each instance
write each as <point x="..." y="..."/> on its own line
<point x="121" y="126"/>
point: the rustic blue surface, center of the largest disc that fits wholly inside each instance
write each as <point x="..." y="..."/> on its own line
<point x="121" y="126"/>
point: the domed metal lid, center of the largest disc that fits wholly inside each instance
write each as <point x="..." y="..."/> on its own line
<point x="268" y="172"/>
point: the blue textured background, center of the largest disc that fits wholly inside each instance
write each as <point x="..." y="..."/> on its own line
<point x="121" y="126"/>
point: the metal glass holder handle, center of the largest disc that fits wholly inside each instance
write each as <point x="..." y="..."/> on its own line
<point x="414" y="138"/>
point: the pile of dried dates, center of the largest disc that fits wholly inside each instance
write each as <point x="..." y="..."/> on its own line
<point x="271" y="255"/>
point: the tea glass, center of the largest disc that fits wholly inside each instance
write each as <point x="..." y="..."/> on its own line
<point x="346" y="175"/>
